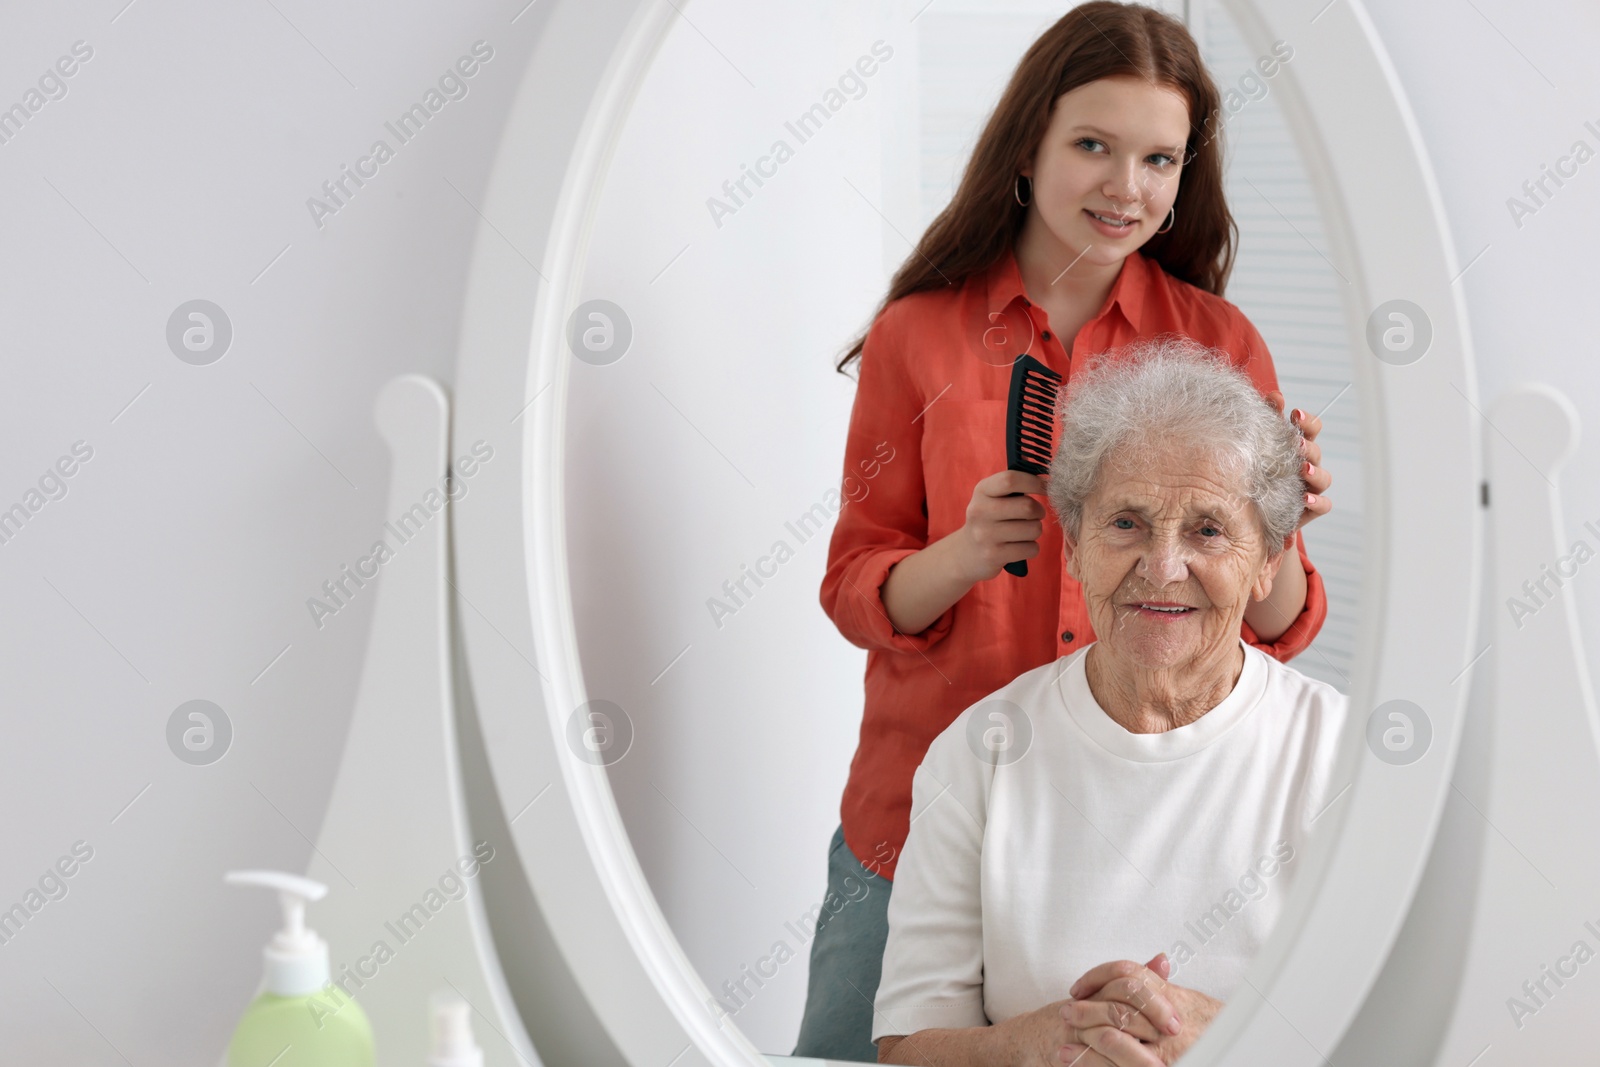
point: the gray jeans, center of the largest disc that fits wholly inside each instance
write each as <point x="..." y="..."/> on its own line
<point x="846" y="960"/>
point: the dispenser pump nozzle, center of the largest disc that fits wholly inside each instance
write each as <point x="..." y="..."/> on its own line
<point x="296" y="958"/>
<point x="453" y="1045"/>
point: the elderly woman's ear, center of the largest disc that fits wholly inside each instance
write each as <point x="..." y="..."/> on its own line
<point x="1262" y="586"/>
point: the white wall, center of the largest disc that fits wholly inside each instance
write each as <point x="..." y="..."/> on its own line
<point x="178" y="564"/>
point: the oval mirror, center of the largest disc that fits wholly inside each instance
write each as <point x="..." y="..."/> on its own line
<point x="653" y="333"/>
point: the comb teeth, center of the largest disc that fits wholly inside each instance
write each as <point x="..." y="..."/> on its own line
<point x="1030" y="422"/>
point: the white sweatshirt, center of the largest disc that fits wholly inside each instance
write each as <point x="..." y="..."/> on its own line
<point x="1032" y="859"/>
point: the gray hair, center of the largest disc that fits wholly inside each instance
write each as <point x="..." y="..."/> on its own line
<point x="1174" y="390"/>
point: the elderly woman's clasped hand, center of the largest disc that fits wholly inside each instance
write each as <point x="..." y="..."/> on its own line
<point x="1120" y="1014"/>
<point x="1131" y="1016"/>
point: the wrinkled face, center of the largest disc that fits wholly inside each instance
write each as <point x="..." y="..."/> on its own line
<point x="1169" y="554"/>
<point x="1112" y="149"/>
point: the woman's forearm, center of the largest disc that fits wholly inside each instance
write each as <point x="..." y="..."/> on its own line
<point x="976" y="1046"/>
<point x="1270" y="618"/>
<point x="921" y="587"/>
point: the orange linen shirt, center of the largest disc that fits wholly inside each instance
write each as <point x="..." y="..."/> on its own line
<point x="931" y="397"/>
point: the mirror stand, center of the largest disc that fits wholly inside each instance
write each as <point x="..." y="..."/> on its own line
<point x="398" y="820"/>
<point x="405" y="918"/>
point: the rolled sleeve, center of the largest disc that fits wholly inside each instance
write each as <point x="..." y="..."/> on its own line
<point x="933" y="959"/>
<point x="887" y="521"/>
<point x="859" y="612"/>
<point x="1298" y="637"/>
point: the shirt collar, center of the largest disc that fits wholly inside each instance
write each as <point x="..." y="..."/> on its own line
<point x="1004" y="282"/>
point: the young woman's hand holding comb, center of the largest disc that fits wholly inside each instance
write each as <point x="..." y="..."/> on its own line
<point x="1003" y="526"/>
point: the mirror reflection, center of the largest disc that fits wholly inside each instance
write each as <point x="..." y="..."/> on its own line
<point x="1125" y="747"/>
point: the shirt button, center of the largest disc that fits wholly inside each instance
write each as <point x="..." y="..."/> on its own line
<point x="1066" y="635"/>
<point x="1047" y="335"/>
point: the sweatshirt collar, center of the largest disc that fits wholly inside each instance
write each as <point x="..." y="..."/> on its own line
<point x="1072" y="685"/>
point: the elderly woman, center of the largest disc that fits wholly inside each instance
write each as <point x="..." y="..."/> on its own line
<point x="1143" y="798"/>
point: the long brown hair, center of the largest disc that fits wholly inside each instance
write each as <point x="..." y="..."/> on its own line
<point x="1097" y="40"/>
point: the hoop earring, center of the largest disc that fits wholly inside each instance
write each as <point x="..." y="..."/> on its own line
<point x="1017" y="192"/>
<point x="1171" y="218"/>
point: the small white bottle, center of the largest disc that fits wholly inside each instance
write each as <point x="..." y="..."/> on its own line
<point x="453" y="1045"/>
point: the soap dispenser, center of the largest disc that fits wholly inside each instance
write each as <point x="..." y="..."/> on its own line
<point x="299" y="1019"/>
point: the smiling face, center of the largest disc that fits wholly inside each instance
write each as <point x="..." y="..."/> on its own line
<point x="1112" y="150"/>
<point x="1169" y="528"/>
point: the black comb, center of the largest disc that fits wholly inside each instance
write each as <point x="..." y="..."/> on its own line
<point x="1030" y="425"/>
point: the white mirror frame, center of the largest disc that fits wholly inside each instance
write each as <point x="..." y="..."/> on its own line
<point x="1420" y="598"/>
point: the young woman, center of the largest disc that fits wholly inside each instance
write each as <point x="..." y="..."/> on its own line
<point x="1091" y="214"/>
